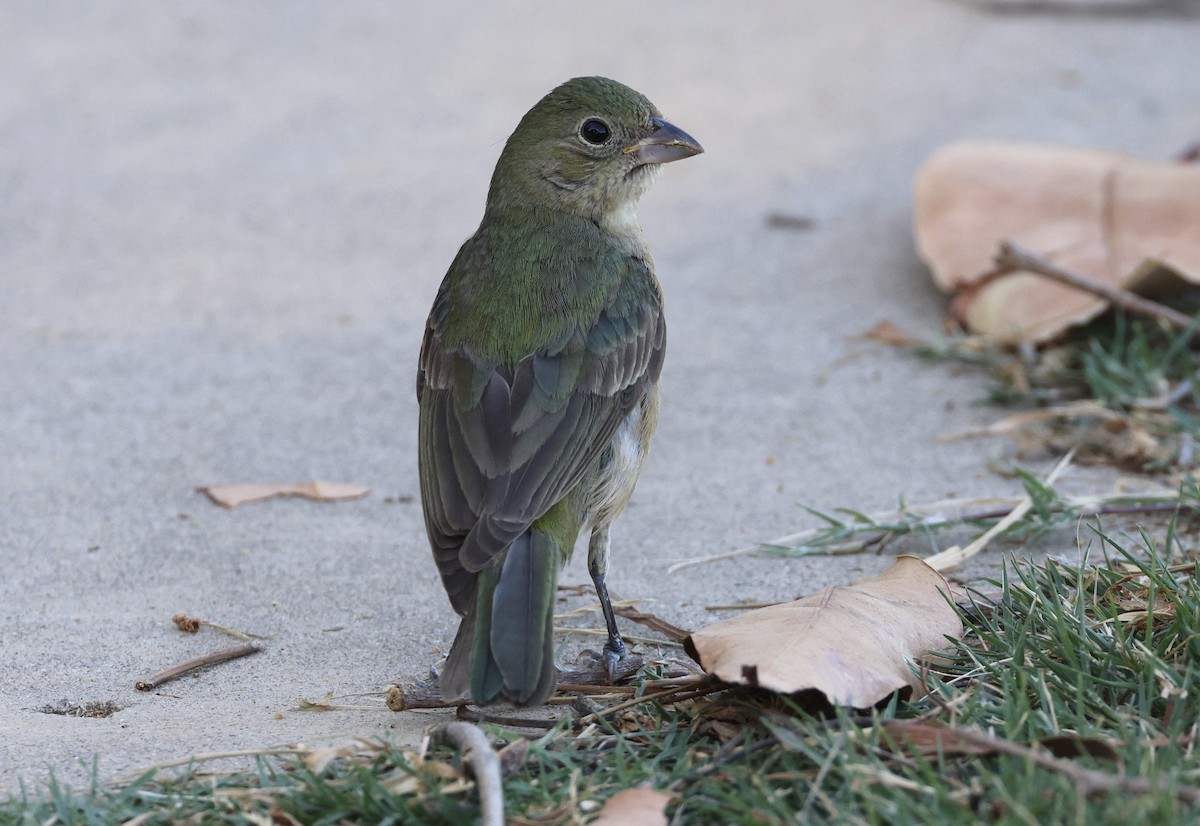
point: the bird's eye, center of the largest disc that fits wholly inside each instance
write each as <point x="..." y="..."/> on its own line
<point x="594" y="131"/>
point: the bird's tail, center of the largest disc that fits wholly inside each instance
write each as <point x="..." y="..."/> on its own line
<point x="505" y="645"/>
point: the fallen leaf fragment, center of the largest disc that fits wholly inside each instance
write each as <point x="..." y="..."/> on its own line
<point x="635" y="807"/>
<point x="1071" y="746"/>
<point x="324" y="704"/>
<point x="930" y="739"/>
<point x="230" y="496"/>
<point x="1107" y="216"/>
<point x="855" y="644"/>
<point x="887" y="332"/>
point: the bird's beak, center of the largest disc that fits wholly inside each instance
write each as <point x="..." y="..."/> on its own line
<point x="665" y="144"/>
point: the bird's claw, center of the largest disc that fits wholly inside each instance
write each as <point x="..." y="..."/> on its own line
<point x="614" y="652"/>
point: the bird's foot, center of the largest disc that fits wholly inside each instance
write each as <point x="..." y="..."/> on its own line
<point x="614" y="652"/>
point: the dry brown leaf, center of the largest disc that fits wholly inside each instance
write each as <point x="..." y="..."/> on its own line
<point x="932" y="738"/>
<point x="887" y="332"/>
<point x="635" y="807"/>
<point x="1071" y="746"/>
<point x="1102" y="214"/>
<point x="855" y="644"/>
<point x="230" y="496"/>
<point x="189" y="625"/>
<point x="1137" y="610"/>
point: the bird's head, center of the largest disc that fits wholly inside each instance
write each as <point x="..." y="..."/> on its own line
<point x="591" y="147"/>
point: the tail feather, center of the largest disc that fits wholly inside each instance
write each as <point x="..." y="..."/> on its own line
<point x="455" y="681"/>
<point x="522" y="633"/>
<point x="505" y="645"/>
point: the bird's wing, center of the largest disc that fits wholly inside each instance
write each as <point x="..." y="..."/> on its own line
<point x="499" y="447"/>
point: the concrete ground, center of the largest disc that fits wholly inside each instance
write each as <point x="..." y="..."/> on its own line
<point x="222" y="225"/>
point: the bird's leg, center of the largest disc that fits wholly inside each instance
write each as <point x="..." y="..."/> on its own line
<point x="614" y="649"/>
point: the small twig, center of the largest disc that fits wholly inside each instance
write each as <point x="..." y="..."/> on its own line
<point x="1163" y="9"/>
<point x="624" y="608"/>
<point x="401" y="697"/>
<point x="653" y="622"/>
<point x="1088" y="781"/>
<point x="1013" y="256"/>
<point x="742" y="606"/>
<point x="594" y="608"/>
<point x="955" y="556"/>
<point x="470" y="741"/>
<point x="1181" y="568"/>
<point x="591" y="689"/>
<point x="600" y="632"/>
<point x="474" y="715"/>
<point x="214" y="658"/>
<point x="696" y="684"/>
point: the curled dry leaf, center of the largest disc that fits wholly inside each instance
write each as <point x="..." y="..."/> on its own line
<point x="230" y="496"/>
<point x="855" y="644"/>
<point x="189" y="625"/>
<point x="1117" y="219"/>
<point x="635" y="807"/>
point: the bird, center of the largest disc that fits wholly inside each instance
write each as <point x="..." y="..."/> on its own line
<point x="538" y="381"/>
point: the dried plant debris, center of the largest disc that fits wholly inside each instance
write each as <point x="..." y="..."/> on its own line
<point x="855" y="644"/>
<point x="231" y="496"/>
<point x="1121" y="221"/>
<point x="1119" y="391"/>
<point x="91" y="708"/>
<point x="192" y="625"/>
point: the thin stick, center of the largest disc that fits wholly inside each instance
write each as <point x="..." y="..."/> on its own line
<point x="401" y="697"/>
<point x="651" y="621"/>
<point x="472" y="715"/>
<point x="600" y="632"/>
<point x="477" y="752"/>
<point x="645" y="698"/>
<point x="955" y="556"/>
<point x="214" y="658"/>
<point x="1088" y="781"/>
<point x="742" y="606"/>
<point x="1013" y="256"/>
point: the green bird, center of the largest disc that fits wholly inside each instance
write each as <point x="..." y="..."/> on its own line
<point x="538" y="380"/>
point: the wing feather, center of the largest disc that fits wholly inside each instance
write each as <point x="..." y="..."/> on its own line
<point x="502" y="444"/>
